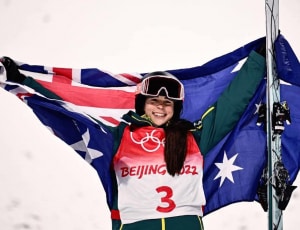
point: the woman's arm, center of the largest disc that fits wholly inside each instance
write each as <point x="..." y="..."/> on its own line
<point x="221" y="118"/>
<point x="14" y="75"/>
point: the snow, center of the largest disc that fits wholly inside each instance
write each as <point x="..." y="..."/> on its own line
<point x="44" y="184"/>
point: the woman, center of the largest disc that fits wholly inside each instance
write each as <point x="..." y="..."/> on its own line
<point x="158" y="157"/>
<point x="158" y="164"/>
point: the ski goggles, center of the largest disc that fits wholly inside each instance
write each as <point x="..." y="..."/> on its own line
<point x="157" y="85"/>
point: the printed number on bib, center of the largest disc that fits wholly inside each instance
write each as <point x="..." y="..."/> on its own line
<point x="167" y="202"/>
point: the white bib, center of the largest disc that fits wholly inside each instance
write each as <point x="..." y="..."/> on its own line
<point x="145" y="189"/>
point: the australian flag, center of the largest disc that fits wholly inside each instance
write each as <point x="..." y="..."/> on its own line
<point x="232" y="169"/>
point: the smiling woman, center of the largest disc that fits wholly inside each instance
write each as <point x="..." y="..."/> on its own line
<point x="159" y="110"/>
<point x="159" y="97"/>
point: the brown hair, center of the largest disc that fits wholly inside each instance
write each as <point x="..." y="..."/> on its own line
<point x="176" y="145"/>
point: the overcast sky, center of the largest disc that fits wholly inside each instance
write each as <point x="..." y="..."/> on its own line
<point x="44" y="184"/>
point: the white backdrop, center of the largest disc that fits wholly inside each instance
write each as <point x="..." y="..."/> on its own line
<point x="44" y="184"/>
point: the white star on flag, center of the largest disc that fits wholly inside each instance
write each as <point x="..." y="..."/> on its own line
<point x="90" y="154"/>
<point x="226" y="168"/>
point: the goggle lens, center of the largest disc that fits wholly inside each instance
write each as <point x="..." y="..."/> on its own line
<point x="157" y="85"/>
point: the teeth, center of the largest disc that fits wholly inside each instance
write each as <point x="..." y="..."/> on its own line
<point x="159" y="114"/>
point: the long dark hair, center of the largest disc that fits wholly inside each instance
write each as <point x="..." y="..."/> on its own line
<point x="176" y="132"/>
<point x="176" y="145"/>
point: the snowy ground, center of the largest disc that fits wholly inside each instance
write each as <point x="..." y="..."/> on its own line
<point x="44" y="185"/>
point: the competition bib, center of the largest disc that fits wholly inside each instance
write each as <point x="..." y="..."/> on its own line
<point x="145" y="189"/>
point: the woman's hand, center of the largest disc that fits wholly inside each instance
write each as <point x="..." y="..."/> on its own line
<point x="12" y="70"/>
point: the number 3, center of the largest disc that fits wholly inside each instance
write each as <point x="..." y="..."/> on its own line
<point x="166" y="199"/>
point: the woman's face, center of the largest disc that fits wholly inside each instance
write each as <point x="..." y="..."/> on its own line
<point x="159" y="109"/>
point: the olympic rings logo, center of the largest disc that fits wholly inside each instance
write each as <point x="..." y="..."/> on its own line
<point x="147" y="138"/>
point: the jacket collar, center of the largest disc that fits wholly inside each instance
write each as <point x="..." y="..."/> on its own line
<point x="136" y="119"/>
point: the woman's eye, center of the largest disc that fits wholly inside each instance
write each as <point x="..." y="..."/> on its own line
<point x="167" y="103"/>
<point x="155" y="101"/>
